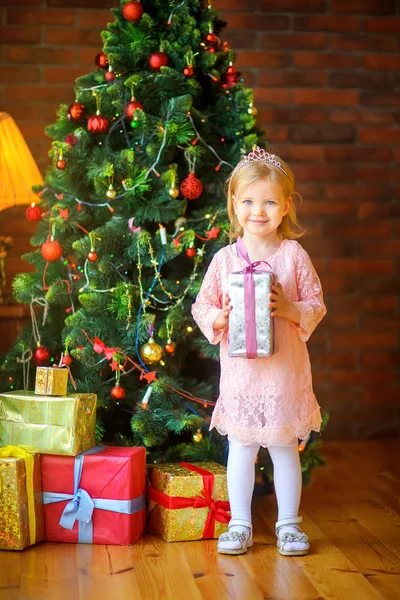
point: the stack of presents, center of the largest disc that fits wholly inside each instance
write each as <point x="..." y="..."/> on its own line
<point x="56" y="485"/>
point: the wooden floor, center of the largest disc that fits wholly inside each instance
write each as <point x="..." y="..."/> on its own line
<point x="351" y="514"/>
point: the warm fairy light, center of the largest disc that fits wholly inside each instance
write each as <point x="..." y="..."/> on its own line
<point x="208" y="215"/>
<point x="189" y="329"/>
<point x="162" y="363"/>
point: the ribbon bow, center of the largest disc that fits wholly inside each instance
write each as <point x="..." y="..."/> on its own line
<point x="80" y="508"/>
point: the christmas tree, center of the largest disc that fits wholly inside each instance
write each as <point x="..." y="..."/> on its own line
<point x="130" y="214"/>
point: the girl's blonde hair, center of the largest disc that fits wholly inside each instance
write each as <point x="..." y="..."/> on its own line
<point x="244" y="175"/>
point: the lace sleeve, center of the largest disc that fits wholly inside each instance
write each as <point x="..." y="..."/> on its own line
<point x="208" y="303"/>
<point x="311" y="301"/>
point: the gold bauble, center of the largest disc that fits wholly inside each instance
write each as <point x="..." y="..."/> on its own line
<point x="173" y="192"/>
<point x="252" y="111"/>
<point x="151" y="353"/>
<point x="198" y="436"/>
<point x="111" y="193"/>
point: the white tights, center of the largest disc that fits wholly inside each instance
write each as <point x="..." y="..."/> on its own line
<point x="241" y="475"/>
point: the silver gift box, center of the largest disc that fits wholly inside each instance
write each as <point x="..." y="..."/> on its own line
<point x="263" y="280"/>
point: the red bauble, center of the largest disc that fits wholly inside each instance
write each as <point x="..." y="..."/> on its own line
<point x="41" y="356"/>
<point x="131" y="107"/>
<point x="92" y="256"/>
<point x="170" y="347"/>
<point x="188" y="71"/>
<point x="101" y="61"/>
<point x="76" y="112"/>
<point x="118" y="392"/>
<point x="109" y="76"/>
<point x="191" y="187"/>
<point x="191" y="252"/>
<point x="211" y="38"/>
<point x="133" y="11"/>
<point x="98" y="124"/>
<point x="66" y="360"/>
<point x="230" y="75"/>
<point x="158" y="60"/>
<point x="51" y="250"/>
<point x="61" y="164"/>
<point x="33" y="213"/>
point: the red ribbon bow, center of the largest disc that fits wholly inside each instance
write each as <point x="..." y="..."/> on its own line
<point x="217" y="508"/>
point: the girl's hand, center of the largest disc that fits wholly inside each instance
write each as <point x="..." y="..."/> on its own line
<point x="222" y="320"/>
<point x="280" y="305"/>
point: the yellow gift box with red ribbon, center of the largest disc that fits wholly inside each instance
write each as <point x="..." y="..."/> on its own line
<point x="21" y="508"/>
<point x="187" y="501"/>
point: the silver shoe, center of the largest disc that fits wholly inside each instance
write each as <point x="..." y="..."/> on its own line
<point x="235" y="542"/>
<point x="288" y="537"/>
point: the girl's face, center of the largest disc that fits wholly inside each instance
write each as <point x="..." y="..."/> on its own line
<point x="261" y="208"/>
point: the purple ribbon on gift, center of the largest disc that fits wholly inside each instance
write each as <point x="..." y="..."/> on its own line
<point x="249" y="299"/>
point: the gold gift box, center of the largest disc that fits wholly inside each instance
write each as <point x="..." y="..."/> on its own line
<point x="14" y="514"/>
<point x="48" y="424"/>
<point x="183" y="524"/>
<point x="51" y="381"/>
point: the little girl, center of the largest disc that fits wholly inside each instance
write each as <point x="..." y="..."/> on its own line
<point x="270" y="401"/>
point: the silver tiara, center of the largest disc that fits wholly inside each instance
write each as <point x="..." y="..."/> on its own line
<point x="260" y="154"/>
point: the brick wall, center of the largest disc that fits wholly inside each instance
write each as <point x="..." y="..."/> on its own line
<point x="326" y="82"/>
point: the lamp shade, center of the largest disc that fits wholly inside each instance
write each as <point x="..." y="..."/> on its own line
<point x="18" y="170"/>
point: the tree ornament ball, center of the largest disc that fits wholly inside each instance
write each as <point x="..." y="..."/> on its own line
<point x="191" y="187"/>
<point x="109" y="76"/>
<point x="51" y="250"/>
<point x="252" y="111"/>
<point x="111" y="193"/>
<point x="151" y="353"/>
<point x="92" y="256"/>
<point x="33" y="213"/>
<point x="131" y="108"/>
<point x="158" y="60"/>
<point x="98" y="124"/>
<point x="191" y="252"/>
<point x="188" y="71"/>
<point x="211" y="38"/>
<point x="41" y="356"/>
<point x="198" y="436"/>
<point x="117" y="392"/>
<point x="101" y="61"/>
<point x="76" y="112"/>
<point x="133" y="11"/>
<point x="66" y="360"/>
<point x="169" y="347"/>
<point x="61" y="164"/>
<point x="173" y="192"/>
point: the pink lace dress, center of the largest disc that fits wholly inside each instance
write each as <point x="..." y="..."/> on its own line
<point x="266" y="400"/>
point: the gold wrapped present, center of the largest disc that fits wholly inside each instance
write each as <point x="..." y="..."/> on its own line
<point x="187" y="501"/>
<point x="48" y="424"/>
<point x="21" y="509"/>
<point x="51" y="381"/>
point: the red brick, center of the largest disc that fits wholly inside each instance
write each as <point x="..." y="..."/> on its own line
<point x="355" y="154"/>
<point x="271" y="96"/>
<point x="293" y="5"/>
<point x="382" y="24"/>
<point x="258" y="22"/>
<point x="386" y="248"/>
<point x="47" y="56"/>
<point x="344" y="115"/>
<point x="34" y="93"/>
<point x="379" y="358"/>
<point x="363" y="304"/>
<point x="333" y="285"/>
<point x="326" y="23"/>
<point x="95" y="18"/>
<point x="277" y="133"/>
<point x="339" y="322"/>
<point x="63" y="74"/>
<point x="377" y="173"/>
<point x="368" y="80"/>
<point x="73" y="37"/>
<point x="289" y="41"/>
<point x="21" y="2"/>
<point x="331" y="247"/>
<point x="334" y="359"/>
<point x="324" y="173"/>
<point x="241" y="40"/>
<point x="362" y="340"/>
<point x="49" y="111"/>
<point x="357" y="266"/>
<point x="310" y="190"/>
<point x="18" y="74"/>
<point x="19" y="35"/>
<point x="326" y="97"/>
<point x="364" y="43"/>
<point x="345" y="377"/>
<point x="82" y="3"/>
<point x="389" y="62"/>
<point x="371" y="210"/>
<point x="378" y="7"/>
<point x="302" y="153"/>
<point x="314" y="60"/>
<point x="380" y="98"/>
<point x="263" y="59"/>
<point x="382" y="396"/>
<point x="356" y="190"/>
<point x="236" y="5"/>
<point x="380" y="136"/>
<point x="317" y="133"/>
<point x="32" y="130"/>
<point x="328" y="209"/>
<point x="39" y="16"/>
<point x="297" y="114"/>
<point x="22" y="112"/>
<point x="291" y="78"/>
<point x="356" y="230"/>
